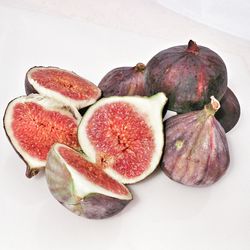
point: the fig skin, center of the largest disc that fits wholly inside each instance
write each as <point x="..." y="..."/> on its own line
<point x="196" y="150"/>
<point x="188" y="75"/>
<point x="229" y="113"/>
<point x="124" y="81"/>
<point x="63" y="186"/>
<point x="97" y="206"/>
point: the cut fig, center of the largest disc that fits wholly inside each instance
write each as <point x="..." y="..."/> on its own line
<point x="196" y="150"/>
<point x="229" y="113"/>
<point x="188" y="75"/>
<point x="124" y="81"/>
<point x="34" y="123"/>
<point x="124" y="135"/>
<point x="83" y="187"/>
<point x="62" y="85"/>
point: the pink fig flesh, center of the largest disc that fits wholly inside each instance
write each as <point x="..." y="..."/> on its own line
<point x="63" y="85"/>
<point x="34" y="123"/>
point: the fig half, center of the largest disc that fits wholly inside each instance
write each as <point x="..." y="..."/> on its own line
<point x="62" y="85"/>
<point x="124" y="81"/>
<point x="34" y="123"/>
<point x="229" y="113"/>
<point x="83" y="187"/>
<point x="125" y="135"/>
<point x="196" y="150"/>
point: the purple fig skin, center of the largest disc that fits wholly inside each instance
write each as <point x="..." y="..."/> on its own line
<point x="196" y="150"/>
<point x="188" y="75"/>
<point x="97" y="206"/>
<point x="229" y="113"/>
<point x="124" y="81"/>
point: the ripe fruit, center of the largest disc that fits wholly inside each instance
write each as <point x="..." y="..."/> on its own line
<point x="188" y="75"/>
<point x="196" y="149"/>
<point x="83" y="187"/>
<point x="62" y="85"/>
<point x="229" y="112"/>
<point x="124" y="81"/>
<point x="34" y="123"/>
<point x="125" y="135"/>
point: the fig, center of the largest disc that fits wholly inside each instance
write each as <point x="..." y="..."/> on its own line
<point x="125" y="133"/>
<point x="229" y="112"/>
<point x="62" y="85"/>
<point x="196" y="150"/>
<point x="124" y="81"/>
<point x="188" y="75"/>
<point x="34" y="123"/>
<point x="83" y="187"/>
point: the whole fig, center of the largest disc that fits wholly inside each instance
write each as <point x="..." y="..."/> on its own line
<point x="124" y="81"/>
<point x="196" y="150"/>
<point x="229" y="112"/>
<point x="188" y="75"/>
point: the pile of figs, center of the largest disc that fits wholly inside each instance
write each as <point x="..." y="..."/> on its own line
<point x="93" y="140"/>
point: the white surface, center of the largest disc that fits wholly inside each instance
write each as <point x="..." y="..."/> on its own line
<point x="231" y="16"/>
<point x="163" y="215"/>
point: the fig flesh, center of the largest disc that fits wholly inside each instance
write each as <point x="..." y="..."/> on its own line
<point x="124" y="81"/>
<point x="34" y="123"/>
<point x="229" y="113"/>
<point x="125" y="134"/>
<point x="83" y="187"/>
<point x="188" y="75"/>
<point x="196" y="150"/>
<point x="62" y="85"/>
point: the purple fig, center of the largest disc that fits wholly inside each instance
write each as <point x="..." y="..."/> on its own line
<point x="196" y="150"/>
<point x="124" y="81"/>
<point x="229" y="112"/>
<point x="188" y="75"/>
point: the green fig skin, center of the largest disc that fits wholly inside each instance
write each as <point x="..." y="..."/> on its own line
<point x="229" y="113"/>
<point x="196" y="150"/>
<point x="188" y="75"/>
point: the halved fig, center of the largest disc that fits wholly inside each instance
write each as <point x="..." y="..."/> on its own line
<point x="229" y="113"/>
<point x="124" y="81"/>
<point x="196" y="150"/>
<point x="124" y="135"/>
<point x="83" y="187"/>
<point x="62" y="85"/>
<point x="34" y="123"/>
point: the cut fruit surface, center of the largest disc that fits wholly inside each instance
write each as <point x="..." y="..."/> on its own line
<point x="64" y="86"/>
<point x="34" y="123"/>
<point x="82" y="186"/>
<point x="124" y="135"/>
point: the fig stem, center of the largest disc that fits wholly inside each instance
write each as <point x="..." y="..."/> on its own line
<point x="213" y="106"/>
<point x="139" y="67"/>
<point x="192" y="47"/>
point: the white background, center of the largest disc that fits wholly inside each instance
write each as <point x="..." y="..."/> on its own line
<point x="91" y="38"/>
